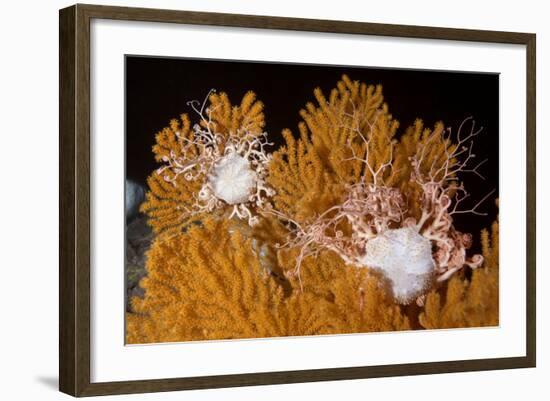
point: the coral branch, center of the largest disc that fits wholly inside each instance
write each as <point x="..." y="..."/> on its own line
<point x="372" y="214"/>
<point x="220" y="162"/>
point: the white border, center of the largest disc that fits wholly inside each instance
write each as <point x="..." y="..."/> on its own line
<point x="112" y="361"/>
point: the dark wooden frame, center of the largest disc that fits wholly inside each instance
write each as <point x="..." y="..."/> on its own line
<point x="74" y="204"/>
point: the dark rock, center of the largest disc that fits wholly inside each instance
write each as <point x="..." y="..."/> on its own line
<point x="138" y="240"/>
<point x="134" y="197"/>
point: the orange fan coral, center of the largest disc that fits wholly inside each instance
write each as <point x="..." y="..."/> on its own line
<point x="347" y="226"/>
<point x="311" y="173"/>
<point x="351" y="300"/>
<point x="214" y="166"/>
<point x="206" y="283"/>
<point x="209" y="283"/>
<point x="468" y="302"/>
<point x="373" y="200"/>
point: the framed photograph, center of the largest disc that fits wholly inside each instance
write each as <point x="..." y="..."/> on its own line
<point x="250" y="200"/>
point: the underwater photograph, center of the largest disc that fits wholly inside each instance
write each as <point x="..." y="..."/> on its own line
<point x="278" y="199"/>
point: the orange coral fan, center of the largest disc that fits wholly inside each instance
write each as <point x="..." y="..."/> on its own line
<point x="375" y="201"/>
<point x="353" y="300"/>
<point x="347" y="195"/>
<point x="206" y="283"/>
<point x="209" y="283"/>
<point x="468" y="302"/>
<point x="311" y="173"/>
<point x="214" y="166"/>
